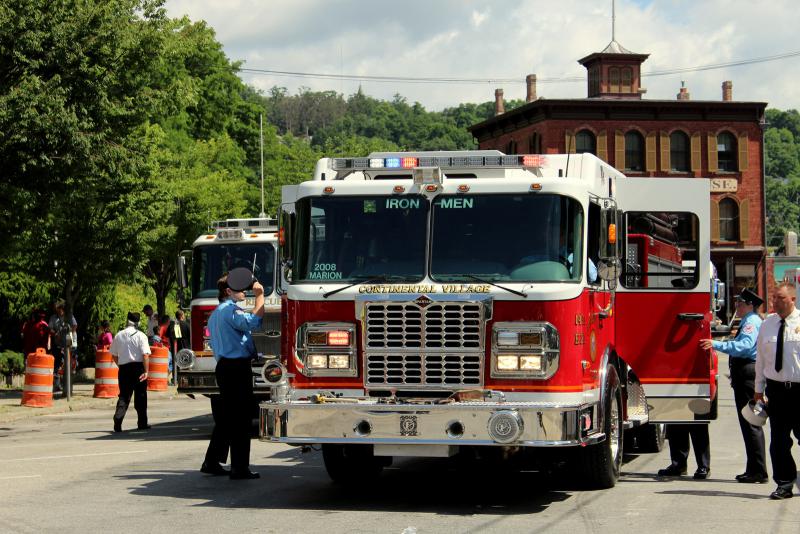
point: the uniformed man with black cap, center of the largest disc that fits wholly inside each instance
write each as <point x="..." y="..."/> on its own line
<point x="742" y="363"/>
<point x="230" y="328"/>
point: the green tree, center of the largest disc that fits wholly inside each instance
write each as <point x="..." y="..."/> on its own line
<point x="77" y="86"/>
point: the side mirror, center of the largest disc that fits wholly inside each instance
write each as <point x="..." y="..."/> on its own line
<point x="608" y="269"/>
<point x="182" y="278"/>
<point x="286" y="239"/>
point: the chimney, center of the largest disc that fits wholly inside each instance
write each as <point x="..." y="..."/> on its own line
<point x="499" y="106"/>
<point x="790" y="244"/>
<point x="727" y="91"/>
<point x="530" y="81"/>
<point x="684" y="94"/>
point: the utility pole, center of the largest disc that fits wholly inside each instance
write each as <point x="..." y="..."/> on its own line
<point x="261" y="145"/>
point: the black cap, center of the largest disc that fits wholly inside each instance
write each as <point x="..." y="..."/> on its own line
<point x="147" y="307"/>
<point x="134" y="317"/>
<point x="750" y="297"/>
<point x="240" y="279"/>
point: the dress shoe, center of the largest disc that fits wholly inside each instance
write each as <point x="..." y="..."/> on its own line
<point x="746" y="478"/>
<point x="213" y="468"/>
<point x="243" y="475"/>
<point x="780" y="494"/>
<point x="701" y="473"/>
<point x="672" y="470"/>
<point x="144" y="427"/>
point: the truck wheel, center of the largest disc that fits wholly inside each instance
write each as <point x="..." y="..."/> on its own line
<point x="602" y="462"/>
<point x="650" y="437"/>
<point x="351" y="464"/>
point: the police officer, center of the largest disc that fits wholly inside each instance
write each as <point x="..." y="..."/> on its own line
<point x="230" y="327"/>
<point x="130" y="352"/>
<point x="778" y="375"/>
<point x="742" y="363"/>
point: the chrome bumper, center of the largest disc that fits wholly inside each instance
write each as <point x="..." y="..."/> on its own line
<point x="367" y="421"/>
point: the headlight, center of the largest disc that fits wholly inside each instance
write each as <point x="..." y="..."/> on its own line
<point x="185" y="359"/>
<point x="326" y="349"/>
<point x="524" y="350"/>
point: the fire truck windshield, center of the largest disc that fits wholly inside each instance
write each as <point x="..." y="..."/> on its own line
<point x="353" y="238"/>
<point x="531" y="237"/>
<point x="210" y="262"/>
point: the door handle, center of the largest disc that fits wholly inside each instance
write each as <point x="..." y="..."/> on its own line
<point x="691" y="316"/>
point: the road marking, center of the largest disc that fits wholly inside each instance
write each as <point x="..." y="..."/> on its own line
<point x="20" y="476"/>
<point x="71" y="456"/>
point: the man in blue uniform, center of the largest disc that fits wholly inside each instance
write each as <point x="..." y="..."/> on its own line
<point x="742" y="362"/>
<point x="230" y="327"/>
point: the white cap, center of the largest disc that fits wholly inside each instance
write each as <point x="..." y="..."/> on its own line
<point x="755" y="413"/>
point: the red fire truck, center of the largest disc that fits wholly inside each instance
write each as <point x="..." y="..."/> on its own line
<point x="230" y="243"/>
<point x="435" y="302"/>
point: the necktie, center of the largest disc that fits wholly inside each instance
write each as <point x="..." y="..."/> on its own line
<point x="779" y="348"/>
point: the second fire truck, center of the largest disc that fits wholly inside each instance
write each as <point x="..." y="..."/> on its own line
<point x="436" y="302"/>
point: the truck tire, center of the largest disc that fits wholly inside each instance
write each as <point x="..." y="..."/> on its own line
<point x="602" y="462"/>
<point x="649" y="437"/>
<point x="351" y="464"/>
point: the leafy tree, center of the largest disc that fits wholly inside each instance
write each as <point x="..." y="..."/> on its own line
<point x="77" y="87"/>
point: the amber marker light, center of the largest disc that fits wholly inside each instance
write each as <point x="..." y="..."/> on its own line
<point x="536" y="187"/>
<point x="612" y="233"/>
<point x="328" y="190"/>
<point x="282" y="236"/>
<point x="431" y="188"/>
<point x="399" y="189"/>
<point x="463" y="188"/>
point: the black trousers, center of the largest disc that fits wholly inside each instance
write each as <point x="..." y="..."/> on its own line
<point x="129" y="384"/>
<point x="743" y="377"/>
<point x="678" y="436"/>
<point x="235" y="381"/>
<point x="784" y="418"/>
<point x="220" y="442"/>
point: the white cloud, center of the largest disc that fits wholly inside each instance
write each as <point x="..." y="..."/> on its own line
<point x="463" y="38"/>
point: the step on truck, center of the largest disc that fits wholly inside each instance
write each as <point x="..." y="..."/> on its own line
<point x="230" y="243"/>
<point x="437" y="302"/>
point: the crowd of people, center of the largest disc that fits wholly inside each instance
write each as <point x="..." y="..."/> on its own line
<point x="764" y="363"/>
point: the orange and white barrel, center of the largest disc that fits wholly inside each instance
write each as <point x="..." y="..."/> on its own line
<point x="106" y="375"/>
<point x="38" y="389"/>
<point x="158" y="369"/>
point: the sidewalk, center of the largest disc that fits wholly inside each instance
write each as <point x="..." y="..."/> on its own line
<point x="11" y="410"/>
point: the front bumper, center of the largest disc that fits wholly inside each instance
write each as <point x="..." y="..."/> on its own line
<point x="367" y="421"/>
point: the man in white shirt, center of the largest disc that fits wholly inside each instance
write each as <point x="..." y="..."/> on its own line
<point x="778" y="375"/>
<point x="152" y="323"/>
<point x="130" y="352"/>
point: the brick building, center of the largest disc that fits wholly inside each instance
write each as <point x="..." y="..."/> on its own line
<point x="721" y="141"/>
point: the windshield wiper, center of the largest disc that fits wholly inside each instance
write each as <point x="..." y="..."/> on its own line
<point x="484" y="281"/>
<point x="366" y="280"/>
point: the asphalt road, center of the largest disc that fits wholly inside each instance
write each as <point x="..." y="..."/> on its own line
<point x="69" y="473"/>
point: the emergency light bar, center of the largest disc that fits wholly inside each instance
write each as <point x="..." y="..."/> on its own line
<point x="404" y="161"/>
<point x="248" y="225"/>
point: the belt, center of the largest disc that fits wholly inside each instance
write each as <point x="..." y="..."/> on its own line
<point x="785" y="384"/>
<point x="739" y="361"/>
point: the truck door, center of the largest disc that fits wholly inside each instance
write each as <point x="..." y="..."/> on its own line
<point x="663" y="303"/>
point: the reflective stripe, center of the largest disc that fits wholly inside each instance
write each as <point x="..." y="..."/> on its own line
<point x="38" y="389"/>
<point x="157" y="375"/>
<point x="38" y="370"/>
<point x="106" y="381"/>
<point x="159" y="360"/>
<point x="104" y="365"/>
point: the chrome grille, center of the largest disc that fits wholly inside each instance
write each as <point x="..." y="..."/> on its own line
<point x="405" y="325"/>
<point x="440" y="345"/>
<point x="445" y="370"/>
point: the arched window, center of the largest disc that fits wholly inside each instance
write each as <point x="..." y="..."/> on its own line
<point x="728" y="220"/>
<point x="627" y="80"/>
<point x="726" y="152"/>
<point x="613" y="77"/>
<point x="585" y="142"/>
<point x="594" y="81"/>
<point x="634" y="151"/>
<point x="511" y="148"/>
<point x="535" y="143"/>
<point x="679" y="157"/>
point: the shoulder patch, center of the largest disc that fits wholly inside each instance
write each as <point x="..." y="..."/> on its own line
<point x="749" y="328"/>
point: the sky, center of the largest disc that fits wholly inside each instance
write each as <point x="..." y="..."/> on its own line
<point x="504" y="40"/>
